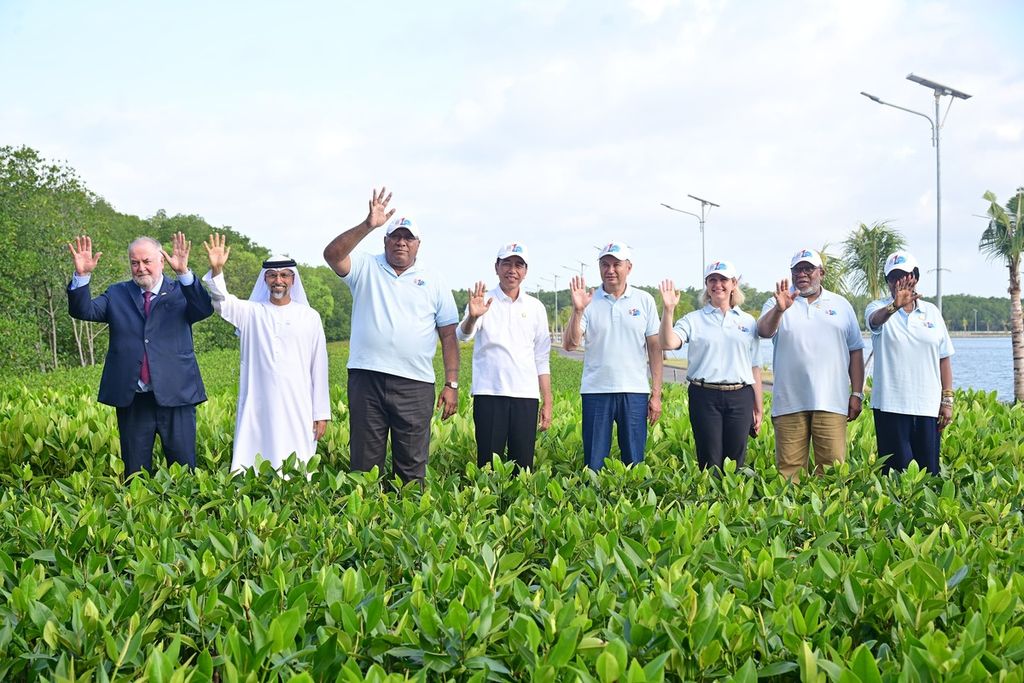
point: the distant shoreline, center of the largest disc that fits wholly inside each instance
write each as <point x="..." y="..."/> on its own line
<point x="979" y="333"/>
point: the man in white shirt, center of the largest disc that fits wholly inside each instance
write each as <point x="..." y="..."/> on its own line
<point x="283" y="395"/>
<point x="399" y="310"/>
<point x="620" y="326"/>
<point x="511" y="362"/>
<point x="818" y="364"/>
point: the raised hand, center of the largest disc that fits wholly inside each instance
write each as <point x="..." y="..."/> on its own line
<point x="477" y="305"/>
<point x="669" y="295"/>
<point x="581" y="297"/>
<point x="379" y="214"/>
<point x="178" y="260"/>
<point x="783" y="295"/>
<point x="218" y="252"/>
<point x="903" y="293"/>
<point x="81" y="253"/>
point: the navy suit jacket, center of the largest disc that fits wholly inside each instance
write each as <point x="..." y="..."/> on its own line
<point x="166" y="334"/>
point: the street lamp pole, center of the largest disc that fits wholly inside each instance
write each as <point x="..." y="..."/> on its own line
<point x="939" y="90"/>
<point x="554" y="279"/>
<point x="704" y="204"/>
<point x="583" y="265"/>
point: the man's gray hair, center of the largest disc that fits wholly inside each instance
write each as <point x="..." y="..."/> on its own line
<point x="145" y="238"/>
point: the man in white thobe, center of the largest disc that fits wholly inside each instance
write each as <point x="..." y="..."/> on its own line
<point x="283" y="398"/>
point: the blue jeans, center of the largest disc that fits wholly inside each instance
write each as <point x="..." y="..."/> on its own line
<point x="628" y="412"/>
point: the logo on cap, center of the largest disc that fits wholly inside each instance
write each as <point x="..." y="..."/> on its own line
<point x="611" y="248"/>
<point x="899" y="259"/>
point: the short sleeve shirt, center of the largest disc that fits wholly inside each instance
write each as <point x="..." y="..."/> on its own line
<point x="907" y="351"/>
<point x="395" y="317"/>
<point x="615" y="333"/>
<point x="811" y="358"/>
<point x="722" y="347"/>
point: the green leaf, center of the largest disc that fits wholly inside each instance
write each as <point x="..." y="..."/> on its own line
<point x="564" y="649"/>
<point x="607" y="667"/>
<point x="863" y="664"/>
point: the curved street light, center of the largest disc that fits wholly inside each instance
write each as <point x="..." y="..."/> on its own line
<point x="939" y="90"/>
<point x="704" y="204"/>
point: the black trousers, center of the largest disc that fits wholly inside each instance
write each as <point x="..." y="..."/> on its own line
<point x="380" y="404"/>
<point x="502" y="421"/>
<point x="721" y="422"/>
<point x="905" y="438"/>
<point x="139" y="423"/>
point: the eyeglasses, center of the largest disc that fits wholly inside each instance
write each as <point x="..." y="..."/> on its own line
<point x="803" y="270"/>
<point x="279" y="275"/>
<point x="408" y="239"/>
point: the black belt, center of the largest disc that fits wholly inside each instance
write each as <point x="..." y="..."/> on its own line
<point x="720" y="386"/>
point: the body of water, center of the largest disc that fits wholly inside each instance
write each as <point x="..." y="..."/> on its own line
<point x="978" y="363"/>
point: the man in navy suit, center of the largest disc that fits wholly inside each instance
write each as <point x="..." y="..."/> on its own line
<point x="150" y="374"/>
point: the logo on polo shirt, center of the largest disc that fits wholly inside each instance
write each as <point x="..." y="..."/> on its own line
<point x="929" y="323"/>
<point x="635" y="312"/>
<point x="419" y="282"/>
<point x="743" y="328"/>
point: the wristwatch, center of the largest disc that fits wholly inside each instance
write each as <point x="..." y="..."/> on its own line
<point x="892" y="308"/>
<point x="858" y="394"/>
<point x="452" y="385"/>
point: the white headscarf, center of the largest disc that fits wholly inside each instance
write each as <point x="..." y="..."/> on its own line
<point x="260" y="291"/>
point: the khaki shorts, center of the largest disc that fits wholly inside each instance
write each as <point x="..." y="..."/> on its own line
<point x="794" y="434"/>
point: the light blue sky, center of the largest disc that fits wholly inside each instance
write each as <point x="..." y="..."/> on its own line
<point x="560" y="124"/>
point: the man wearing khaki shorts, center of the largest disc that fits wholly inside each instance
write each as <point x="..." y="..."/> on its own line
<point x="818" y="364"/>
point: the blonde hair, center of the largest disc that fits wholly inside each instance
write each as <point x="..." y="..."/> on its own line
<point x="736" y="297"/>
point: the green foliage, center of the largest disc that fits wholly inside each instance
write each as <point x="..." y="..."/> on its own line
<point x="656" y="572"/>
<point x="864" y="254"/>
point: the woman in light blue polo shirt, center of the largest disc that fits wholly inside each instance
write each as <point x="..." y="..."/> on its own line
<point x="724" y="370"/>
<point x="912" y="393"/>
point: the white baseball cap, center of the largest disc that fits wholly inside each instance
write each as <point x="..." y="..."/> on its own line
<point x="901" y="260"/>
<point x="724" y="268"/>
<point x="514" y="249"/>
<point x="806" y="255"/>
<point x="407" y="222"/>
<point x="619" y="250"/>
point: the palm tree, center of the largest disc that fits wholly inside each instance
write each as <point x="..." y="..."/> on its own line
<point x="865" y="251"/>
<point x="1003" y="239"/>
<point x="836" y="272"/>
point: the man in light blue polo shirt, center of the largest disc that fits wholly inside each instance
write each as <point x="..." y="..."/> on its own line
<point x="398" y="311"/>
<point x="619" y="325"/>
<point x="818" y="364"/>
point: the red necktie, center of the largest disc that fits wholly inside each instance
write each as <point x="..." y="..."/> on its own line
<point x="144" y="375"/>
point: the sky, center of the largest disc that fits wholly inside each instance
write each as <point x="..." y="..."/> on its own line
<point x="560" y="124"/>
